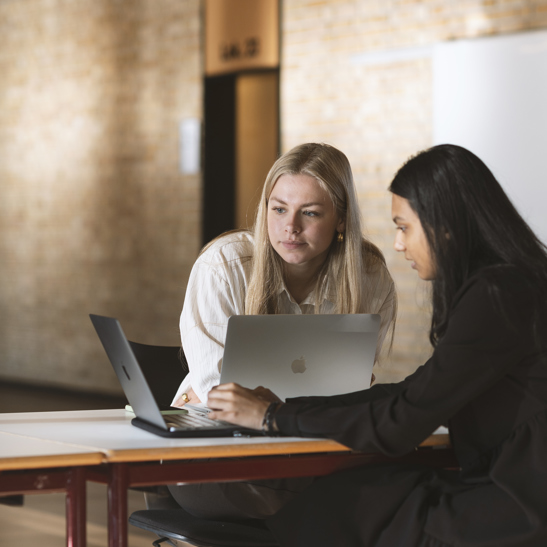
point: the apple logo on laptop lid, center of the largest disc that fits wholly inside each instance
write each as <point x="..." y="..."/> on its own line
<point x="298" y="366"/>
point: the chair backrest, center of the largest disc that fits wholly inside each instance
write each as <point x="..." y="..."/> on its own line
<point x="164" y="368"/>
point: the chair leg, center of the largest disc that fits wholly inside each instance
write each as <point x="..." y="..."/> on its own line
<point x="161" y="540"/>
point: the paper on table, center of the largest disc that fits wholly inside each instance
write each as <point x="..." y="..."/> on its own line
<point x="129" y="408"/>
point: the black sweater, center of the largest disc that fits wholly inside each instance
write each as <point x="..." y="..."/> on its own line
<point x="487" y="381"/>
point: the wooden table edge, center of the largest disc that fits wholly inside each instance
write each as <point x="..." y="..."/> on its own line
<point x="224" y="451"/>
<point x="37" y="462"/>
<point x="243" y="450"/>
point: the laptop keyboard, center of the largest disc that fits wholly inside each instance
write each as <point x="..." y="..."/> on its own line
<point x="192" y="421"/>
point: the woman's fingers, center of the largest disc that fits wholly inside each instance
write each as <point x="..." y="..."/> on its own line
<point x="228" y="396"/>
<point x="236" y="404"/>
<point x="192" y="397"/>
<point x="267" y="395"/>
<point x="188" y="397"/>
<point x="224" y="392"/>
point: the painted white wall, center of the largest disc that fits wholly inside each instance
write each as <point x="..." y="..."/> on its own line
<point x="490" y="96"/>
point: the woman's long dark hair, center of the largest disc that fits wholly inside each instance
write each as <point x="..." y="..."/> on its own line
<point x="469" y="223"/>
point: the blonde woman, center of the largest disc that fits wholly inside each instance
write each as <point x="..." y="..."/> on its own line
<point x="305" y="254"/>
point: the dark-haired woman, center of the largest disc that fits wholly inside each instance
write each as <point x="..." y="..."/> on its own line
<point x="486" y="380"/>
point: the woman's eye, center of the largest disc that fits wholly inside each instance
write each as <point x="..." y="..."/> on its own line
<point x="310" y="213"/>
<point x="402" y="228"/>
<point x="279" y="210"/>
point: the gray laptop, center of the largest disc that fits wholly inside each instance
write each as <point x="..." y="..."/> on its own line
<point x="296" y="355"/>
<point x="290" y="354"/>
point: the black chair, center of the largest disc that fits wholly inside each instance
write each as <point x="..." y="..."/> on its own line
<point x="178" y="525"/>
<point x="164" y="368"/>
<point x="15" y="500"/>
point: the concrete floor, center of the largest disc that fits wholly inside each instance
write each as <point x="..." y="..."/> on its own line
<point x="41" y="519"/>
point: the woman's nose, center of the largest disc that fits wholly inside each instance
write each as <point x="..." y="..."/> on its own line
<point x="398" y="244"/>
<point x="292" y="225"/>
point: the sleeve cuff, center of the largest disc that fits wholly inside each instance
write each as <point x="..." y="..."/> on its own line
<point x="184" y="386"/>
<point x="287" y="421"/>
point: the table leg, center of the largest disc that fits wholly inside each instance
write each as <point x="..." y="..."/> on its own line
<point x="117" y="505"/>
<point x="76" y="508"/>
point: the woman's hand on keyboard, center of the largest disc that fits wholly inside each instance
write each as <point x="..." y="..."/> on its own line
<point x="188" y="397"/>
<point x="266" y="395"/>
<point x="238" y="405"/>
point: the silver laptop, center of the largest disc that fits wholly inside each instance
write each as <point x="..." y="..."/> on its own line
<point x="299" y="355"/>
<point x="290" y="354"/>
<point x="148" y="416"/>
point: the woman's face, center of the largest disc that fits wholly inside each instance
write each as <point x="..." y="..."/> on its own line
<point x="411" y="238"/>
<point x="302" y="221"/>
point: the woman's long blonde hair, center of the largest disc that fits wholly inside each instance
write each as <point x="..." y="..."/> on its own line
<point x="346" y="262"/>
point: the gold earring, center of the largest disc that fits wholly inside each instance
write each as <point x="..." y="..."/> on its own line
<point x="340" y="237"/>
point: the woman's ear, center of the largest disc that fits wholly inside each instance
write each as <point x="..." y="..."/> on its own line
<point x="341" y="226"/>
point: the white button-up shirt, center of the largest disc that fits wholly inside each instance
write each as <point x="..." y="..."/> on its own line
<point x="216" y="291"/>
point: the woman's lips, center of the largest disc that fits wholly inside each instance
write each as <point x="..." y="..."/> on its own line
<point x="292" y="244"/>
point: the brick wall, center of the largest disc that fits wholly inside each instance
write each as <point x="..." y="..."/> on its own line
<point x="94" y="214"/>
<point x="336" y="87"/>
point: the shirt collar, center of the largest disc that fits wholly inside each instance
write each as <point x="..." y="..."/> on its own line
<point x="330" y="294"/>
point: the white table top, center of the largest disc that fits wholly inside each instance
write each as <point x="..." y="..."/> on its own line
<point x="19" y="452"/>
<point x="110" y="432"/>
